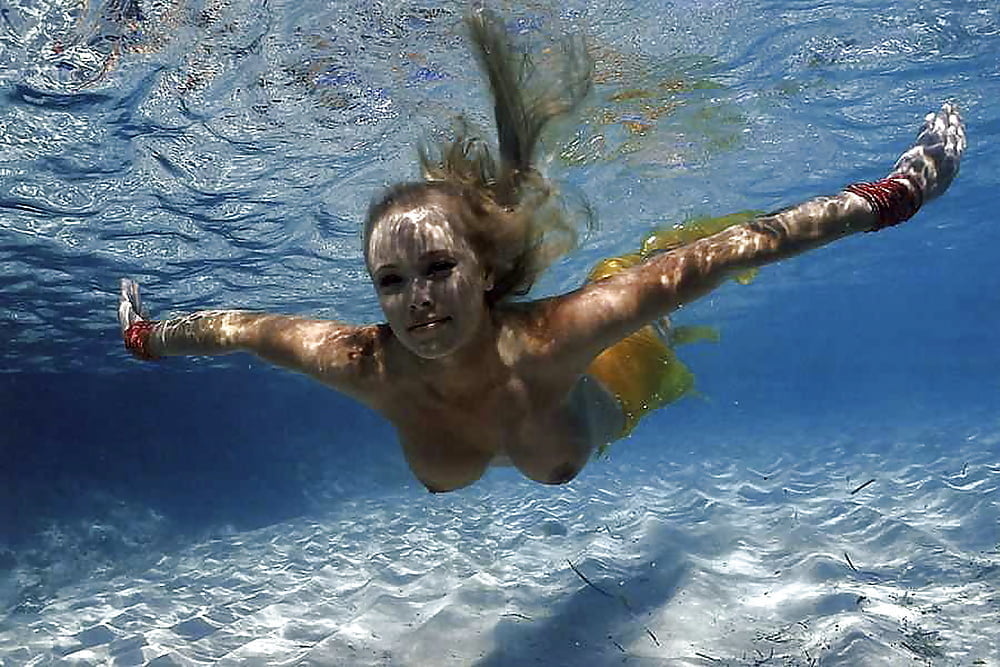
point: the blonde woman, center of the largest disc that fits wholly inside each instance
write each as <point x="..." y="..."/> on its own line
<point x="470" y="376"/>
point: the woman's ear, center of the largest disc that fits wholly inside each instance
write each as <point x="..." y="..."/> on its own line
<point x="487" y="281"/>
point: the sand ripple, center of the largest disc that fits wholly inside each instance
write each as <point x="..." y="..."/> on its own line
<point x="701" y="563"/>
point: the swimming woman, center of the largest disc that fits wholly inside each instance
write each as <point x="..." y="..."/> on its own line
<point x="471" y="377"/>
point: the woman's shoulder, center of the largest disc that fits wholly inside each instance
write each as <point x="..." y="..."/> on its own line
<point x="523" y="332"/>
<point x="358" y="349"/>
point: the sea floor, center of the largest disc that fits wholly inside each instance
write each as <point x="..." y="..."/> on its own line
<point x="645" y="560"/>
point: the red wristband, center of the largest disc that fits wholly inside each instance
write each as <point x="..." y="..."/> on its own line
<point x="892" y="200"/>
<point x="137" y="339"/>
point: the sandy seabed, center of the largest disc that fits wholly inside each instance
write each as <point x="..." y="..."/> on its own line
<point x="644" y="560"/>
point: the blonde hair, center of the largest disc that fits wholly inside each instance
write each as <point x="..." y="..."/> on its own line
<point x="512" y="215"/>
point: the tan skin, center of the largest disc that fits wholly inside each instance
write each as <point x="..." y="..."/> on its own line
<point x="466" y="384"/>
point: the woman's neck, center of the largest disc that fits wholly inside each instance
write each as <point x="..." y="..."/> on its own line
<point x="476" y="363"/>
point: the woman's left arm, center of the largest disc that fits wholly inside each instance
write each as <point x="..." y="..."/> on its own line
<point x="583" y="323"/>
<point x="341" y="356"/>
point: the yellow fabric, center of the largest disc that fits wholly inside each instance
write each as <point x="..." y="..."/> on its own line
<point x="642" y="373"/>
<point x="641" y="370"/>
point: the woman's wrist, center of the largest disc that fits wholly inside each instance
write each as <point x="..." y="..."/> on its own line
<point x="137" y="339"/>
<point x="893" y="199"/>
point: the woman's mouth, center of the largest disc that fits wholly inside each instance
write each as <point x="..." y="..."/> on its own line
<point x="429" y="325"/>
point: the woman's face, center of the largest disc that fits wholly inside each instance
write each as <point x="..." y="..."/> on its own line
<point x="429" y="281"/>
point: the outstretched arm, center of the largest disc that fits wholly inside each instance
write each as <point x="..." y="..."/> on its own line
<point x="340" y="355"/>
<point x="583" y="323"/>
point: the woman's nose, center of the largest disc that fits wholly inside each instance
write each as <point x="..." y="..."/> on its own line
<point x="421" y="297"/>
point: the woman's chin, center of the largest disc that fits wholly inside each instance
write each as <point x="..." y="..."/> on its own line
<point x="442" y="340"/>
<point x="430" y="348"/>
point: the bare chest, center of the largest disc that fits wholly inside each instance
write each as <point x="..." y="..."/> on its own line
<point x="450" y="439"/>
<point x="487" y="418"/>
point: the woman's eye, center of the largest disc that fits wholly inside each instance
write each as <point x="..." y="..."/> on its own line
<point x="441" y="268"/>
<point x="389" y="281"/>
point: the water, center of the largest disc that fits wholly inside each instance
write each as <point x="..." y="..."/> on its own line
<point x="216" y="510"/>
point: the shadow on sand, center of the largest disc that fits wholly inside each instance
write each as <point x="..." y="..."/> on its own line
<point x="607" y="613"/>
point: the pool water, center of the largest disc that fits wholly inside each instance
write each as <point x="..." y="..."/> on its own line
<point x="219" y="511"/>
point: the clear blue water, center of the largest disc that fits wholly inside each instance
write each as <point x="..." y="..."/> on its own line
<point x="223" y="154"/>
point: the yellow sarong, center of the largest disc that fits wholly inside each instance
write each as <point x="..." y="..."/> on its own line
<point x="641" y="371"/>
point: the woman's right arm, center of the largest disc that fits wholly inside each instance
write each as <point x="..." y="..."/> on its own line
<point x="583" y="323"/>
<point x="339" y="355"/>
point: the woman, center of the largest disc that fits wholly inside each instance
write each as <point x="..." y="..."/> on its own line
<point x="470" y="377"/>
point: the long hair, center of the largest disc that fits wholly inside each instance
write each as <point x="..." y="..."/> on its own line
<point x="512" y="215"/>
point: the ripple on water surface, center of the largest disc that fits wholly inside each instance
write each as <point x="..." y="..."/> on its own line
<point x="223" y="154"/>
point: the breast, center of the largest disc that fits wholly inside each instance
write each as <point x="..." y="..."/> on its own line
<point x="549" y="435"/>
<point x="443" y="458"/>
<point x="559" y="442"/>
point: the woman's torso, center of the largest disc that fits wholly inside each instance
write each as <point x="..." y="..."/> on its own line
<point x="542" y="419"/>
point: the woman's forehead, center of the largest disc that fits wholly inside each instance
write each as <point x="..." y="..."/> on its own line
<point x="413" y="231"/>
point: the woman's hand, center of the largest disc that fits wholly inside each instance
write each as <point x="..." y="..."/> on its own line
<point x="935" y="158"/>
<point x="135" y="328"/>
<point x="921" y="173"/>
<point x="129" y="305"/>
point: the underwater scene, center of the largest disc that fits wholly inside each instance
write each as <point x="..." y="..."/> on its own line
<point x="823" y="488"/>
